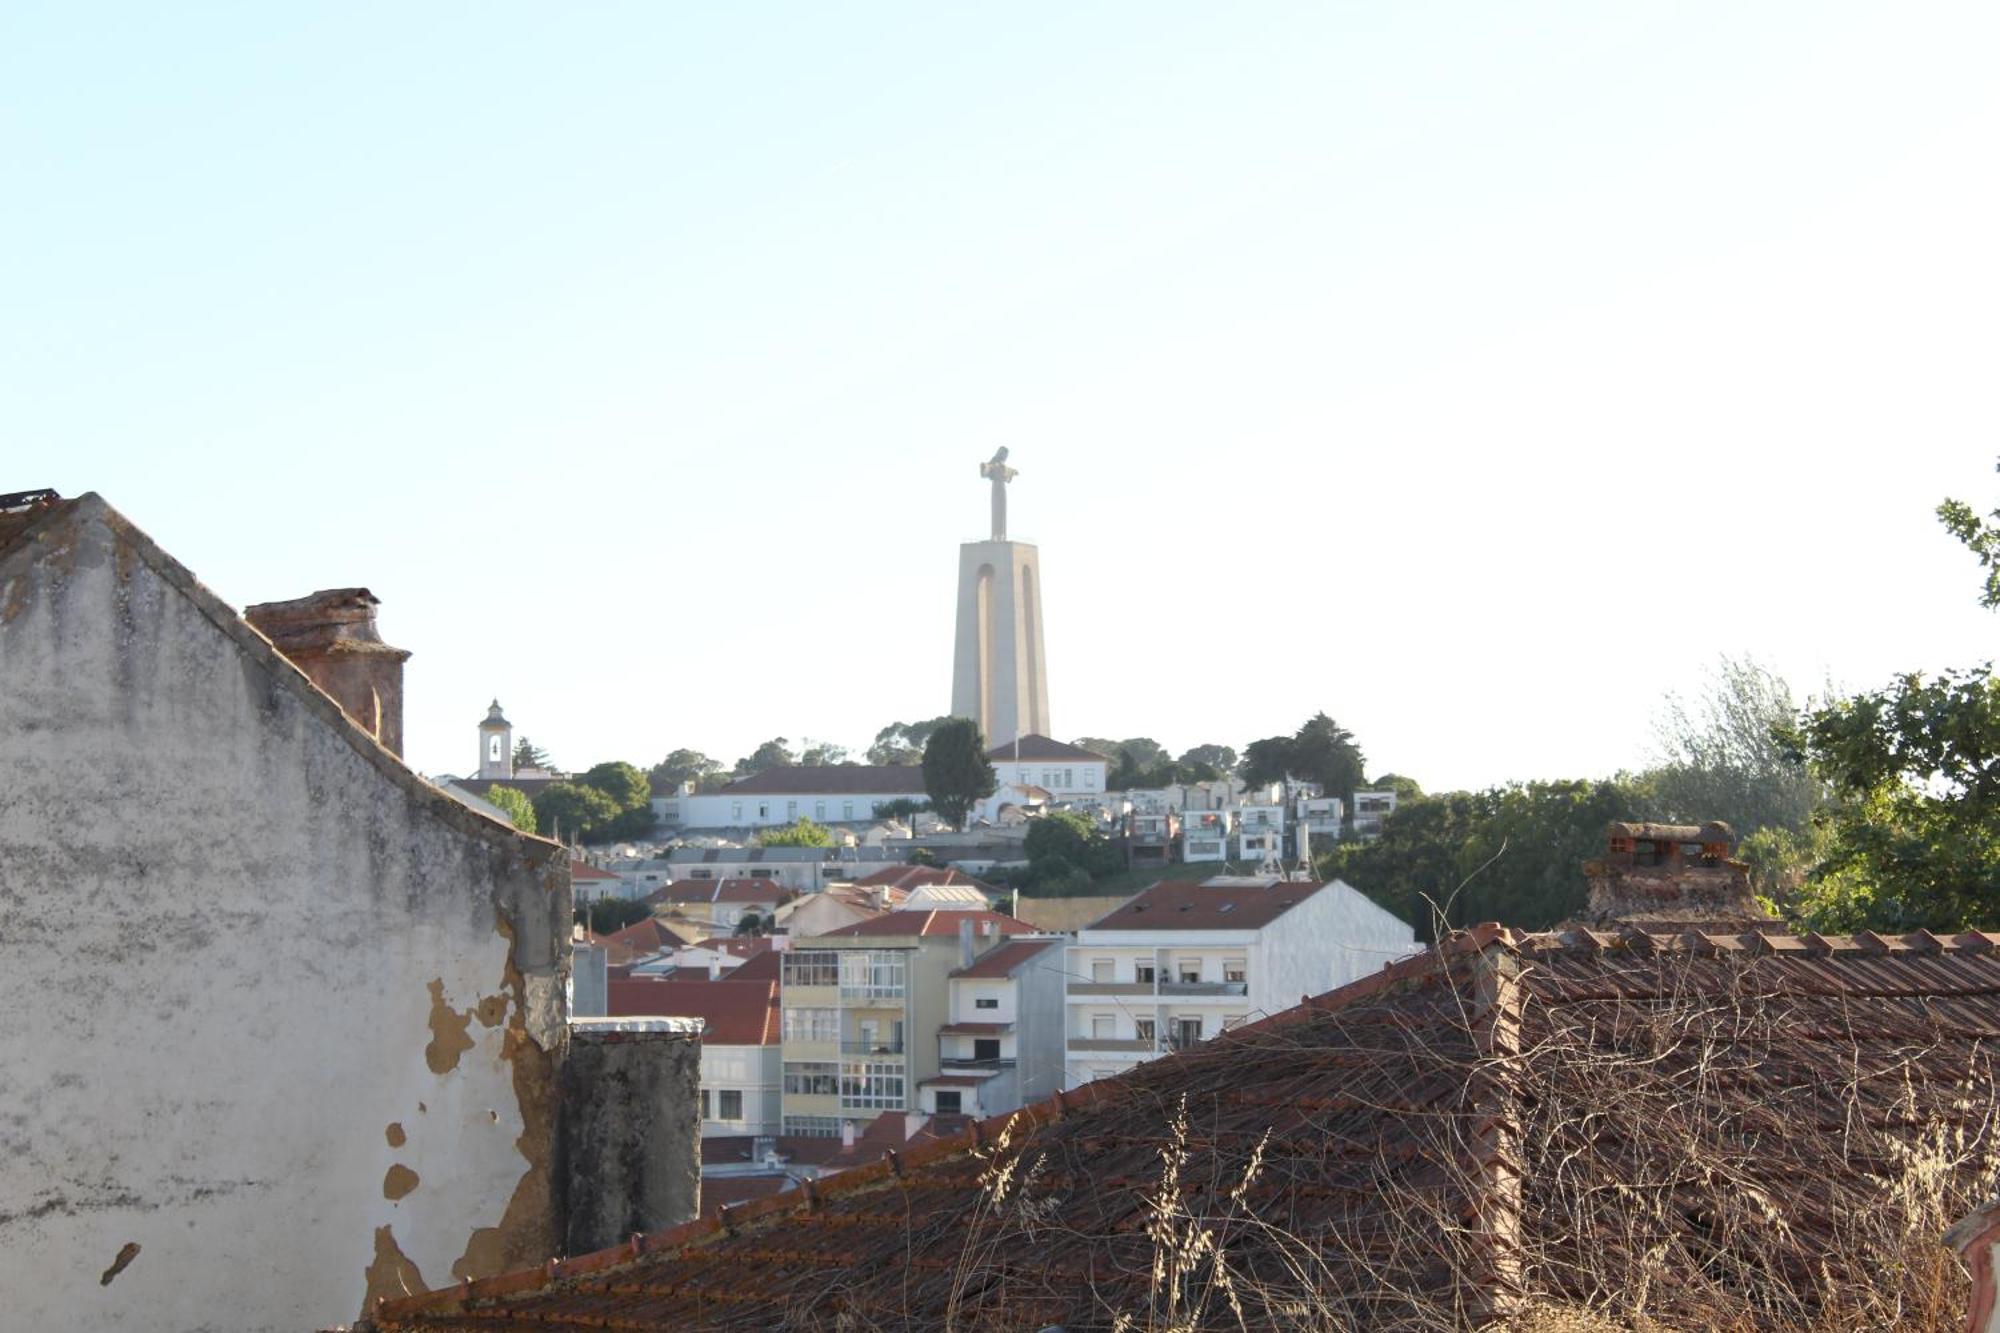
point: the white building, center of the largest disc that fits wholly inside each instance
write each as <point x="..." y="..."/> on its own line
<point x="1321" y="817"/>
<point x="1002" y="1046"/>
<point x="825" y="794"/>
<point x="1260" y="833"/>
<point x="1370" y="809"/>
<point x="1064" y="771"/>
<point x="1205" y="835"/>
<point x="1184" y="961"/>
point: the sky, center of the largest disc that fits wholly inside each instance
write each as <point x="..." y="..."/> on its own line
<point x="1476" y="374"/>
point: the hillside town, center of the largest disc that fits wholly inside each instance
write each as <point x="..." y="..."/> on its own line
<point x="1086" y="669"/>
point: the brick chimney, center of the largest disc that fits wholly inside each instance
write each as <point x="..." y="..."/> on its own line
<point x="331" y="637"/>
<point x="1671" y="876"/>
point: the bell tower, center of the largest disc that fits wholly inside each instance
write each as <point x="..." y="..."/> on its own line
<point x="496" y="745"/>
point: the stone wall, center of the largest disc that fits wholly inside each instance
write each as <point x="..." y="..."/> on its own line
<point x="285" y="1022"/>
<point x="630" y="1128"/>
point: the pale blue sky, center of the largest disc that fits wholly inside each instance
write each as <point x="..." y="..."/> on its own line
<point x="1472" y="372"/>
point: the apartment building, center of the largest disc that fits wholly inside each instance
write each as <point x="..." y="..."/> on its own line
<point x="1205" y="835"/>
<point x="861" y="1009"/>
<point x="1002" y="1044"/>
<point x="739" y="1043"/>
<point x="1260" y="833"/>
<point x="1184" y="961"/>
<point x="1370" y="809"/>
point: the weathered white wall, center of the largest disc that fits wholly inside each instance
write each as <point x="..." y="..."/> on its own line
<point x="259" y="978"/>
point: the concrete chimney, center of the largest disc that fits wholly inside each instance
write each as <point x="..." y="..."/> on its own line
<point x="1671" y="876"/>
<point x="965" y="943"/>
<point x="331" y="636"/>
<point x="847" y="1133"/>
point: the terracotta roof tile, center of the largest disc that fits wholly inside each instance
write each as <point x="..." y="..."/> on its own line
<point x="1008" y="958"/>
<point x="1178" y="904"/>
<point x="734" y="1013"/>
<point x="930" y="923"/>
<point x="1043" y="748"/>
<point x="1502" y="1116"/>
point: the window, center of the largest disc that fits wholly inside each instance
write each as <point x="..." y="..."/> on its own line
<point x="791" y="811"/>
<point x="812" y="1126"/>
<point x="729" y="1104"/>
<point x="763" y="810"/>
<point x="1143" y="972"/>
<point x="811" y="1078"/>
<point x="947" y="1101"/>
<point x="1100" y="969"/>
<point x="1187" y="1032"/>
<point x="1069" y="778"/>
<point x="819" y="811"/>
<point x="986" y="1048"/>
<point x="704" y="1104"/>
<point x="812" y="1025"/>
<point x="493" y="748"/>
<point x="811" y="967"/>
<point x="874" y="974"/>
<point x="1103" y="1026"/>
<point x="1146" y="1030"/>
<point x="1232" y="969"/>
<point x="847" y="809"/>
<point x="866" y="1086"/>
<point x="761" y="872"/>
<point x="736" y="812"/>
<point x="986" y="1002"/>
<point x="1189" y="970"/>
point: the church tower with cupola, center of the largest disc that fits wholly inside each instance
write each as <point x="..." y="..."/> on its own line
<point x="496" y="745"/>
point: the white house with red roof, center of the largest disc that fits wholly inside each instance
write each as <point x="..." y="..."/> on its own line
<point x="739" y="1044"/>
<point x="1185" y="960"/>
<point x="590" y="884"/>
<point x="1064" y="771"/>
<point x="1001" y="1045"/>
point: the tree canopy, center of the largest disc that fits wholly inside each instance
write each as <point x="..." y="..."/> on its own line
<point x="517" y="807"/>
<point x="1066" y="854"/>
<point x="575" y="810"/>
<point x="801" y="833"/>
<point x="957" y="775"/>
<point x="527" y="754"/>
<point x="822" y="754"/>
<point x="685" y="766"/>
<point x="1320" y="751"/>
<point x="904" y="742"/>
<point x="774" y="753"/>
<point x="1723" y="755"/>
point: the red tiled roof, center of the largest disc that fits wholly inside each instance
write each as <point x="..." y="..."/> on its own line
<point x="738" y="890"/>
<point x="1179" y="904"/>
<point x="913" y="877"/>
<point x="733" y="1013"/>
<point x="584" y="870"/>
<point x="931" y="923"/>
<point x="761" y="965"/>
<point x="1508" y="1116"/>
<point x="641" y="939"/>
<point x="1043" y="748"/>
<point x="832" y="780"/>
<point x="1007" y="959"/>
<point x="722" y="1192"/>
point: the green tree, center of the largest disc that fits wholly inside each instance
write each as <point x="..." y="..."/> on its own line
<point x="956" y="773"/>
<point x="1913" y="826"/>
<point x="624" y="784"/>
<point x="517" y="807"/>
<point x="754" y="924"/>
<point x="904" y="742"/>
<point x="685" y="766"/>
<point x="823" y="755"/>
<point x="1218" y="757"/>
<point x="569" y="810"/>
<point x="902" y="808"/>
<point x="1406" y="789"/>
<point x="802" y="833"/>
<point x="1911" y="834"/>
<point x="1062" y="845"/>
<point x="1267" y="761"/>
<point x="1324" y="752"/>
<point x="1982" y="538"/>
<point x="774" y="753"/>
<point x="527" y="754"/>
<point x="607" y="916"/>
<point x="1510" y="854"/>
<point x="1723" y="756"/>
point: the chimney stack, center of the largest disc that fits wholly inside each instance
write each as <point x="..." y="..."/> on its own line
<point x="1671" y="876"/>
<point x="331" y="636"/>
<point x="965" y="942"/>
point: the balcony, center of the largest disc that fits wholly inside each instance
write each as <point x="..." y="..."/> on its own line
<point x="1137" y="1045"/>
<point x="873" y="997"/>
<point x="872" y="1048"/>
<point x="1214" y="988"/>
<point x="1111" y="988"/>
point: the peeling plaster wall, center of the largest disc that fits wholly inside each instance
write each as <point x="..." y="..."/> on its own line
<point x="284" y="1022"/>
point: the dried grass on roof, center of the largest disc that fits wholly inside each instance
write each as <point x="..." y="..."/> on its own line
<point x="1644" y="1132"/>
